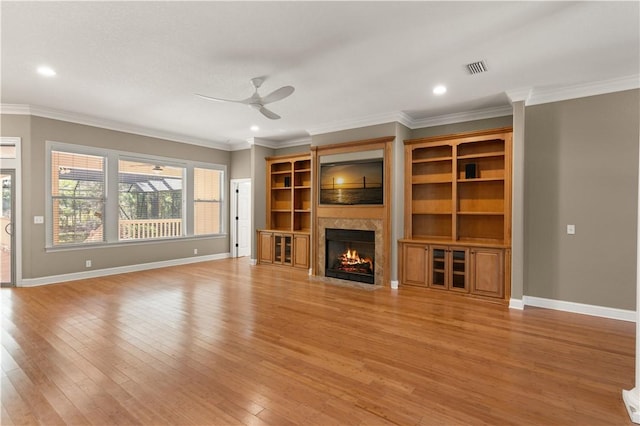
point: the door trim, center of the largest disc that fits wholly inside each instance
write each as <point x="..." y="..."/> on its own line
<point x="233" y="224"/>
<point x="15" y="164"/>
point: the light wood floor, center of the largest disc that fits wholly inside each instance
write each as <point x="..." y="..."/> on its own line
<point x="224" y="342"/>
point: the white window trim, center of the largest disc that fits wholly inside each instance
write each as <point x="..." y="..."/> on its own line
<point x="110" y="221"/>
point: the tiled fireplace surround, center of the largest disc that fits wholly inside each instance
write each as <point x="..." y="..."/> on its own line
<point x="344" y="223"/>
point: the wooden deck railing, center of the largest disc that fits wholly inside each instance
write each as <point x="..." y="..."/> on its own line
<point x="150" y="228"/>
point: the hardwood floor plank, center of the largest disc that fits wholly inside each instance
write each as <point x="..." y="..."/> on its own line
<point x="224" y="342"/>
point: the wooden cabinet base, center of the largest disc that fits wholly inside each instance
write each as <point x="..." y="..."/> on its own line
<point x="467" y="270"/>
<point x="283" y="248"/>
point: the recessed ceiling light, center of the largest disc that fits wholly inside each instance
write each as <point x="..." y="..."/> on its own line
<point x="254" y="128"/>
<point x="46" y="71"/>
<point x="439" y="90"/>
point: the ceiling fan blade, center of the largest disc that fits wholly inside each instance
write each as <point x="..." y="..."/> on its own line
<point x="209" y="98"/>
<point x="269" y="114"/>
<point x="276" y="95"/>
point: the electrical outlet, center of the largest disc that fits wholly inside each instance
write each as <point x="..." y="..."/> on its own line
<point x="571" y="229"/>
<point x="195" y="251"/>
<point x="38" y="219"/>
<point x="87" y="264"/>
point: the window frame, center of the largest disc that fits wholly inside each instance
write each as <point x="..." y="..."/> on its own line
<point x="111" y="200"/>
<point x="223" y="196"/>
<point x="160" y="162"/>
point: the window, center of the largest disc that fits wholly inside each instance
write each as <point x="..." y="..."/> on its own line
<point x="207" y="201"/>
<point x="78" y="197"/>
<point x="150" y="200"/>
<point x="8" y="149"/>
<point x="103" y="196"/>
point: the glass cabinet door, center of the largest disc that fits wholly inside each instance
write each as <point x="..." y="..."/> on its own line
<point x="277" y="248"/>
<point x="286" y="246"/>
<point x="283" y="249"/>
<point x="438" y="267"/>
<point x="459" y="270"/>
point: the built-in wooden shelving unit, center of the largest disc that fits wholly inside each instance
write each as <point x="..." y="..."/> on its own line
<point x="458" y="213"/>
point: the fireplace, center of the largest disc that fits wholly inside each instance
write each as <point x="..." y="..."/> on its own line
<point x="350" y="255"/>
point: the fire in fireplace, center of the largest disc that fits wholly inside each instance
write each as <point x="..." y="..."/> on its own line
<point x="350" y="255"/>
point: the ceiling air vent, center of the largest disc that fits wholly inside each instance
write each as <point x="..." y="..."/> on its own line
<point x="477" y="67"/>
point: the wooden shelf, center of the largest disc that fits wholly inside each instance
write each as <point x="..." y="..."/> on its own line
<point x="494" y="179"/>
<point x="481" y="213"/>
<point x="418" y="211"/>
<point x="483" y="155"/>
<point x="431" y="160"/>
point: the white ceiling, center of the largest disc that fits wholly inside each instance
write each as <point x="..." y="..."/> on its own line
<point x="137" y="65"/>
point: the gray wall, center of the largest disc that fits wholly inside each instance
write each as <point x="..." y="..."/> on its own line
<point x="361" y="133"/>
<point x="39" y="262"/>
<point x="581" y="166"/>
<point x="298" y="149"/>
<point x="467" y="126"/>
<point x="259" y="192"/>
<point x="240" y="164"/>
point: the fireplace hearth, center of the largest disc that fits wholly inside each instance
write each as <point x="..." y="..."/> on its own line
<point x="350" y="255"/>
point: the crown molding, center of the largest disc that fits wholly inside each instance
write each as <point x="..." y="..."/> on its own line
<point x="305" y="140"/>
<point x="519" y="95"/>
<point x="87" y="120"/>
<point x="240" y="145"/>
<point x="460" y="117"/>
<point x="370" y="120"/>
<point x="267" y="143"/>
<point x="541" y="95"/>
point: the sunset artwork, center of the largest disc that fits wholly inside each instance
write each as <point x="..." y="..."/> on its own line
<point x="357" y="182"/>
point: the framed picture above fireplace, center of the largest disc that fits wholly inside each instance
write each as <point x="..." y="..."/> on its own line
<point x="352" y="182"/>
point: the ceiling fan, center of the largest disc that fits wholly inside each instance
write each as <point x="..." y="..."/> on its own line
<point x="256" y="101"/>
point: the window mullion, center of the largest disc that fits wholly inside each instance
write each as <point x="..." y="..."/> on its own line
<point x="189" y="211"/>
<point x="111" y="204"/>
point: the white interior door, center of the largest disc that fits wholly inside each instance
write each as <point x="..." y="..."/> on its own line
<point x="241" y="217"/>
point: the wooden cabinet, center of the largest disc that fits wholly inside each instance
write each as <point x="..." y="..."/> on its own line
<point x="285" y="249"/>
<point x="301" y="251"/>
<point x="448" y="268"/>
<point x="487" y="272"/>
<point x="458" y="206"/>
<point x="289" y="193"/>
<point x="458" y="188"/>
<point x="265" y="247"/>
<point x="478" y="271"/>
<point x="285" y="241"/>
<point x="415" y="263"/>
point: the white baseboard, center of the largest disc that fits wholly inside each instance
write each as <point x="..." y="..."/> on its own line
<point x="580" y="308"/>
<point x="51" y="279"/>
<point x="632" y="402"/>
<point x="516" y="304"/>
<point x="253" y="262"/>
